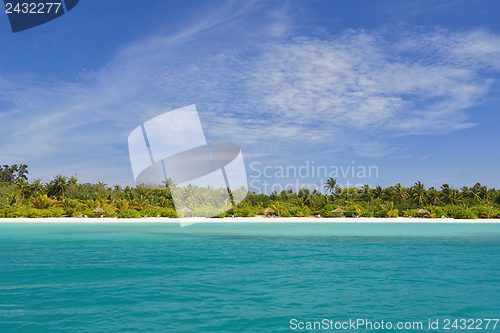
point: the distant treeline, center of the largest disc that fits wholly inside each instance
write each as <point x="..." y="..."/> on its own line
<point x="13" y="173"/>
<point x="65" y="196"/>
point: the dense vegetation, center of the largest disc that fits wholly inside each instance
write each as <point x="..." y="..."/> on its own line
<point x="65" y="196"/>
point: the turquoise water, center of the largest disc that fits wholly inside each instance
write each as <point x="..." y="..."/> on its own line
<point x="243" y="277"/>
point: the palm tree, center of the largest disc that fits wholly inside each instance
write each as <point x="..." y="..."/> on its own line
<point x="475" y="193"/>
<point x="100" y="186"/>
<point x="390" y="194"/>
<point x="121" y="204"/>
<point x="419" y="194"/>
<point x="141" y="202"/>
<point x="36" y="186"/>
<point x="358" y="211"/>
<point x="59" y="185"/>
<point x="12" y="199"/>
<point x="43" y="202"/>
<point x="23" y="187"/>
<point x="91" y="204"/>
<point x="464" y="189"/>
<point x="488" y="194"/>
<point x="73" y="180"/>
<point x="367" y="195"/>
<point x="163" y="202"/>
<point x="274" y="195"/>
<point x="378" y="192"/>
<point x="331" y="185"/>
<point x="433" y="196"/>
<point x="401" y="191"/>
<point x="169" y="183"/>
<point x="487" y="212"/>
<point x="387" y="206"/>
<point x="277" y="208"/>
<point x="449" y="195"/>
<point x="306" y="196"/>
<point x="71" y="206"/>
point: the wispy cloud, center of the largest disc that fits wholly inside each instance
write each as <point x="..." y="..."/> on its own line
<point x="475" y="49"/>
<point x="425" y="157"/>
<point x="352" y="83"/>
<point x="355" y="90"/>
<point x="441" y="180"/>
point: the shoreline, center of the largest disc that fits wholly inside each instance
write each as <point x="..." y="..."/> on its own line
<point x="193" y="220"/>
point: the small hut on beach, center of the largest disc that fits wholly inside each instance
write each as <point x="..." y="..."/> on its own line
<point x="98" y="210"/>
<point x="268" y="210"/>
<point x="186" y="210"/>
<point x="338" y="211"/>
<point x="422" y="211"/>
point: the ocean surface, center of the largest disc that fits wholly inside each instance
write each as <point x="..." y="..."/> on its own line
<point x="250" y="277"/>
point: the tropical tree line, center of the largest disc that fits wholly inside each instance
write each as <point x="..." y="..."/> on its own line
<point x="13" y="173"/>
<point x="65" y="196"/>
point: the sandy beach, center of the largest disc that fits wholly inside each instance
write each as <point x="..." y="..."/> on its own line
<point x="246" y="220"/>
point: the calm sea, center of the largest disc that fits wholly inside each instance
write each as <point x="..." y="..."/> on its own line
<point x="245" y="277"/>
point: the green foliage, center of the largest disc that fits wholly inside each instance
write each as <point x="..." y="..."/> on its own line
<point x="13" y="173"/>
<point x="166" y="212"/>
<point x="457" y="212"/>
<point x="387" y="213"/>
<point x="109" y="211"/>
<point x="486" y="212"/>
<point x="299" y="211"/>
<point x="150" y="212"/>
<point x="31" y="212"/>
<point x="58" y="186"/>
<point x="43" y="202"/>
<point x="439" y="211"/>
<point x="465" y="214"/>
<point x="15" y="212"/>
<point x="130" y="214"/>
<point x="50" y="212"/>
<point x="64" y="196"/>
<point x="326" y="210"/>
<point x="285" y="213"/>
<point x="497" y="200"/>
<point x="247" y="211"/>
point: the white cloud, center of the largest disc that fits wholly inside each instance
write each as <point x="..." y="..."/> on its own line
<point x="351" y="83"/>
<point x="355" y="91"/>
<point x="475" y="49"/>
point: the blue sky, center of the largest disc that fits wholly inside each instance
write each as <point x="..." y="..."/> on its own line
<point x="410" y="87"/>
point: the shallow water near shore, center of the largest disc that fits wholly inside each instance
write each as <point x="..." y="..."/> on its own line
<point x="252" y="277"/>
